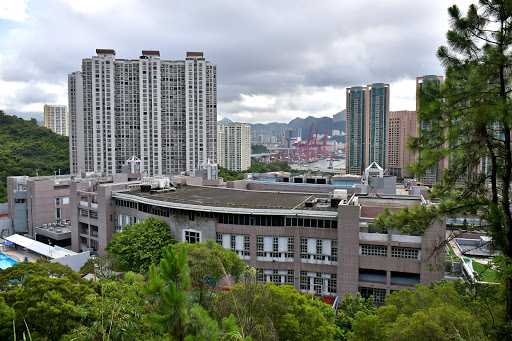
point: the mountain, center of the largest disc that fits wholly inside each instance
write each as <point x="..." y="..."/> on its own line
<point x="225" y="120"/>
<point x="322" y="123"/>
<point x="25" y="147"/>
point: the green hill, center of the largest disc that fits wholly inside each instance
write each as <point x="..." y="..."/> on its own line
<point x="25" y="147"/>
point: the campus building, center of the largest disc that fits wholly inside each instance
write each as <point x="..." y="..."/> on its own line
<point x="162" y="112"/>
<point x="319" y="243"/>
<point x="234" y="146"/>
<point x="56" y="118"/>
<point x="367" y="113"/>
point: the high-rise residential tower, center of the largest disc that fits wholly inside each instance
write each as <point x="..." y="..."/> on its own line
<point x="401" y="124"/>
<point x="433" y="174"/>
<point x="163" y="112"/>
<point x="367" y="112"/>
<point x="234" y="146"/>
<point x="56" y="118"/>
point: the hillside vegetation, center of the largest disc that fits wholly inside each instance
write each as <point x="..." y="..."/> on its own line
<point x="25" y="147"/>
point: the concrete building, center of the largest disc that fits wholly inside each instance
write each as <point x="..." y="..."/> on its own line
<point x="160" y="111"/>
<point x="56" y="118"/>
<point x="234" y="146"/>
<point x="367" y="112"/>
<point x="434" y="174"/>
<point x="401" y="124"/>
<point x="319" y="243"/>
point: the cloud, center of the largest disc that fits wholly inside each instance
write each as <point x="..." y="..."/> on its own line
<point x="274" y="59"/>
<point x="16" y="10"/>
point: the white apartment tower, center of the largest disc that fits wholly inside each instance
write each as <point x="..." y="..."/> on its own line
<point x="163" y="112"/>
<point x="234" y="146"/>
<point x="56" y="118"/>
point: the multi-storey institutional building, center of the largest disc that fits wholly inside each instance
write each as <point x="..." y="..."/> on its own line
<point x="163" y="112"/>
<point x="433" y="174"/>
<point x="367" y="112"/>
<point x="315" y="242"/>
<point x="56" y="118"/>
<point x="234" y="146"/>
<point x="401" y="124"/>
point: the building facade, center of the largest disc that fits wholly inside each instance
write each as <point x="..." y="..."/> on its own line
<point x="56" y="118"/>
<point x="401" y="124"/>
<point x="162" y="112"/>
<point x="433" y="174"/>
<point x="367" y="112"/>
<point x="234" y="146"/>
<point x="309" y="241"/>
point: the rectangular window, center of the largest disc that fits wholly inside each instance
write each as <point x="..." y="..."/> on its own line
<point x="405" y="252"/>
<point x="58" y="213"/>
<point x="58" y="202"/>
<point x="373" y="250"/>
<point x="192" y="237"/>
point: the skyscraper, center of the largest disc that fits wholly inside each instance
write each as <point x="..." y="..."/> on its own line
<point x="401" y="124"/>
<point x="367" y="112"/>
<point x="163" y="112"/>
<point x="56" y="118"/>
<point x="234" y="146"/>
<point x="433" y="174"/>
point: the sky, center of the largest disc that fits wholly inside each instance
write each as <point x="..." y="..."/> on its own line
<point x="276" y="60"/>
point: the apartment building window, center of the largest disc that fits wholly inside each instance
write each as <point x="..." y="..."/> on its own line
<point x="247" y="245"/>
<point x="93" y="214"/>
<point x="58" y="202"/>
<point x="305" y="283"/>
<point x="332" y="284"/>
<point x="260" y="276"/>
<point x="84" y="213"/>
<point x="289" y="254"/>
<point x="219" y="238"/>
<point x="373" y="250"/>
<point x="233" y="242"/>
<point x="58" y="213"/>
<point x="318" y="255"/>
<point x="405" y="252"/>
<point x="334" y="250"/>
<point x="192" y="236"/>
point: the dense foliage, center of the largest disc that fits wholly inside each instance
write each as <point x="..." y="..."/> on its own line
<point x="140" y="245"/>
<point x="25" y="147"/>
<point x="258" y="149"/>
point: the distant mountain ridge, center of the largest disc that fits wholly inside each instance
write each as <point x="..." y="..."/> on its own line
<point x="322" y="123"/>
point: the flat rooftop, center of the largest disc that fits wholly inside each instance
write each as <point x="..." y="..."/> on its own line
<point x="211" y="196"/>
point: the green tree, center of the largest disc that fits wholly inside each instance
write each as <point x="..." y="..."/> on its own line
<point x="209" y="263"/>
<point x="470" y="125"/>
<point x="166" y="290"/>
<point x="258" y="149"/>
<point x="142" y="244"/>
<point x="442" y="311"/>
<point x="269" y="312"/>
<point x="349" y="307"/>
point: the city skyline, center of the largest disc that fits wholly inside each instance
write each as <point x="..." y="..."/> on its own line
<point x="279" y="63"/>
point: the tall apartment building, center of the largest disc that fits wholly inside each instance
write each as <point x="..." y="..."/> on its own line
<point x="56" y="118"/>
<point x="163" y="112"/>
<point x="234" y="146"/>
<point x="434" y="174"/>
<point x="367" y="112"/>
<point x="401" y="124"/>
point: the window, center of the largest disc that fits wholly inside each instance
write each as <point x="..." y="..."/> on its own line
<point x="192" y="236"/>
<point x="58" y="202"/>
<point x="373" y="250"/>
<point x="378" y="294"/>
<point x="58" y="213"/>
<point x="405" y="252"/>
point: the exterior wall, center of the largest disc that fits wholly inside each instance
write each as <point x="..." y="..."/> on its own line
<point x="234" y="146"/>
<point x="33" y="202"/>
<point x="163" y="112"/>
<point x="56" y="118"/>
<point x="401" y="124"/>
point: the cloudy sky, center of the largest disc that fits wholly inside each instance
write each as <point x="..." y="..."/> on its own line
<point x="276" y="60"/>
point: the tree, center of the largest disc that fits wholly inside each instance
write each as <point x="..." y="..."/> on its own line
<point x="209" y="263"/>
<point x="349" y="307"/>
<point x="270" y="312"/>
<point x="442" y="311"/>
<point x="166" y="290"/>
<point x="142" y="244"/>
<point x="469" y="128"/>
